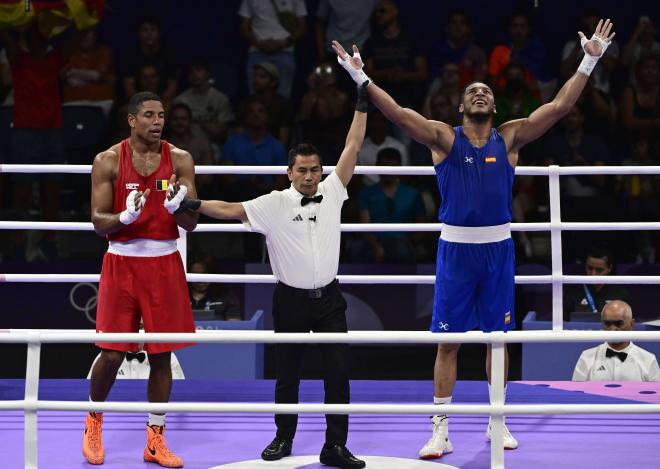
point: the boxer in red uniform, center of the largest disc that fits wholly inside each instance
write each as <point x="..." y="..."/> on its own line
<point x="137" y="186"/>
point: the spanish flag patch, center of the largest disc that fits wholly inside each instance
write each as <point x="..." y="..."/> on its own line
<point x="162" y="184"/>
<point x="507" y="317"/>
<point x="491" y="159"/>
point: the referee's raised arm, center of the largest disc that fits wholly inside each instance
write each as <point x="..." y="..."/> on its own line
<point x="346" y="164"/>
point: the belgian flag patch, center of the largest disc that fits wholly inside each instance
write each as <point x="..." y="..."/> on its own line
<point x="162" y="184"/>
<point x="507" y="318"/>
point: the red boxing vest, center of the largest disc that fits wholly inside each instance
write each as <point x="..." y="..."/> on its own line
<point x="154" y="222"/>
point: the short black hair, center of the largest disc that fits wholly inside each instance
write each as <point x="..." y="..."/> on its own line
<point x="472" y="83"/>
<point x="459" y="12"/>
<point x="183" y="106"/>
<point x="136" y="101"/>
<point x="243" y="111"/>
<point x="149" y="19"/>
<point x="521" y="12"/>
<point x="200" y="63"/>
<point x="388" y="154"/>
<point x="601" y="251"/>
<point x="303" y="149"/>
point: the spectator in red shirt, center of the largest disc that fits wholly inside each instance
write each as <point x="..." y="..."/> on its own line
<point x="37" y="116"/>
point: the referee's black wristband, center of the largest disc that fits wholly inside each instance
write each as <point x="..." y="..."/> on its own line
<point x="362" y="103"/>
<point x="188" y="204"/>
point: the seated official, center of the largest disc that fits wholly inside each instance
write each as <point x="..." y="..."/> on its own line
<point x="218" y="298"/>
<point x="617" y="361"/>
<point x="591" y="298"/>
<point x="136" y="366"/>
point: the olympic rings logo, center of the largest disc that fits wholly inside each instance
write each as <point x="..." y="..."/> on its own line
<point x="88" y="306"/>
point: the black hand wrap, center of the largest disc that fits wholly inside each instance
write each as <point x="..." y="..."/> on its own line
<point x="362" y="103"/>
<point x="188" y="204"/>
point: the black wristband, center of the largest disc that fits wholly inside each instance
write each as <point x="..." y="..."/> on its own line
<point x="188" y="204"/>
<point x="362" y="103"/>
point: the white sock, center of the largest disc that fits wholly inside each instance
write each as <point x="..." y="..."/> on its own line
<point x="490" y="395"/>
<point x="157" y="419"/>
<point x="91" y="412"/>
<point x="442" y="400"/>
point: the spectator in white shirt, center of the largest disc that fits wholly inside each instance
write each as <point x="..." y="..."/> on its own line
<point x="377" y="140"/>
<point x="617" y="361"/>
<point x="346" y="21"/>
<point x="271" y="28"/>
<point x="302" y="229"/>
<point x="210" y="108"/>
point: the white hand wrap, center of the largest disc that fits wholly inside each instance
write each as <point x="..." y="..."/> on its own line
<point x="132" y="211"/>
<point x="589" y="61"/>
<point x="357" y="75"/>
<point x="173" y="205"/>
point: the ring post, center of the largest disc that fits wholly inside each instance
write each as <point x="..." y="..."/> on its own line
<point x="31" y="399"/>
<point x="557" y="258"/>
<point x="497" y="403"/>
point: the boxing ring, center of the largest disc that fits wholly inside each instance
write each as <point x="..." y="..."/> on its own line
<point x="399" y="423"/>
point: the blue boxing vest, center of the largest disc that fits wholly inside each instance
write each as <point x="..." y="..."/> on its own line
<point x="475" y="183"/>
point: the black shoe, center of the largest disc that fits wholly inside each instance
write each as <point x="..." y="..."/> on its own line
<point x="277" y="449"/>
<point x="340" y="456"/>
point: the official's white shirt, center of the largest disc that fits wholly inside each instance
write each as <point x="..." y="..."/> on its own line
<point x="593" y="365"/>
<point x="303" y="253"/>
<point x="133" y="369"/>
<point x="264" y="21"/>
<point x="368" y="156"/>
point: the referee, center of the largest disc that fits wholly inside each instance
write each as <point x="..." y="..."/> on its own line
<point x="302" y="229"/>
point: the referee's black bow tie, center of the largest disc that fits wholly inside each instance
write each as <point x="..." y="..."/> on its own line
<point x="613" y="353"/>
<point x="305" y="200"/>
<point x="139" y="356"/>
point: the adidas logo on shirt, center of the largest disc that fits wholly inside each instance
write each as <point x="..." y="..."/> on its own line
<point x="297" y="218"/>
<point x="601" y="368"/>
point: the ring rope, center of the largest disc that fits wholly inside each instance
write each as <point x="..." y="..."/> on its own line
<point x="496" y="409"/>
<point x="408" y="409"/>
<point x="52" y="336"/>
<point x="354" y="227"/>
<point x="391" y="170"/>
<point x="352" y="279"/>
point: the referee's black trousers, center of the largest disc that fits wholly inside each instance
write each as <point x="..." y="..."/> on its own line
<point x="294" y="310"/>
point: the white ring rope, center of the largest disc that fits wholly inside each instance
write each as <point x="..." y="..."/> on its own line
<point x="354" y="227"/>
<point x="56" y="336"/>
<point x="496" y="409"/>
<point x="423" y="409"/>
<point x="351" y="279"/>
<point x="392" y="170"/>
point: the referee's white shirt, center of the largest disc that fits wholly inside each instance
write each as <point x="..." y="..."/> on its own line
<point x="303" y="253"/>
<point x="593" y="365"/>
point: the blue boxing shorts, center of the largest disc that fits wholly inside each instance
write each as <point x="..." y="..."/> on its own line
<point x="474" y="286"/>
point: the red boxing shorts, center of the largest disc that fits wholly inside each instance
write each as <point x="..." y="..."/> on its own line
<point x="153" y="288"/>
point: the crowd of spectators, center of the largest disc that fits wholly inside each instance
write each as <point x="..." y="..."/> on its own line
<point x="44" y="85"/>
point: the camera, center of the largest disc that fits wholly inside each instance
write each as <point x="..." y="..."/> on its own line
<point x="323" y="70"/>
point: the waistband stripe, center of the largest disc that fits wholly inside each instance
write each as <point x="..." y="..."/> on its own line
<point x="476" y="234"/>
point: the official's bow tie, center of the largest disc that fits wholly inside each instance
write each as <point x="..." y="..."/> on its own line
<point x="612" y="353"/>
<point x="139" y="356"/>
<point x="305" y="200"/>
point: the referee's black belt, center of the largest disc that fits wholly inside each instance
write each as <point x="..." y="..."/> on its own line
<point x="314" y="293"/>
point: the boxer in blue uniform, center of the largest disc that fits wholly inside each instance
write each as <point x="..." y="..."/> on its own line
<point x="474" y="164"/>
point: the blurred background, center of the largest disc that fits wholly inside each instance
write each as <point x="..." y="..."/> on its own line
<point x="244" y="80"/>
